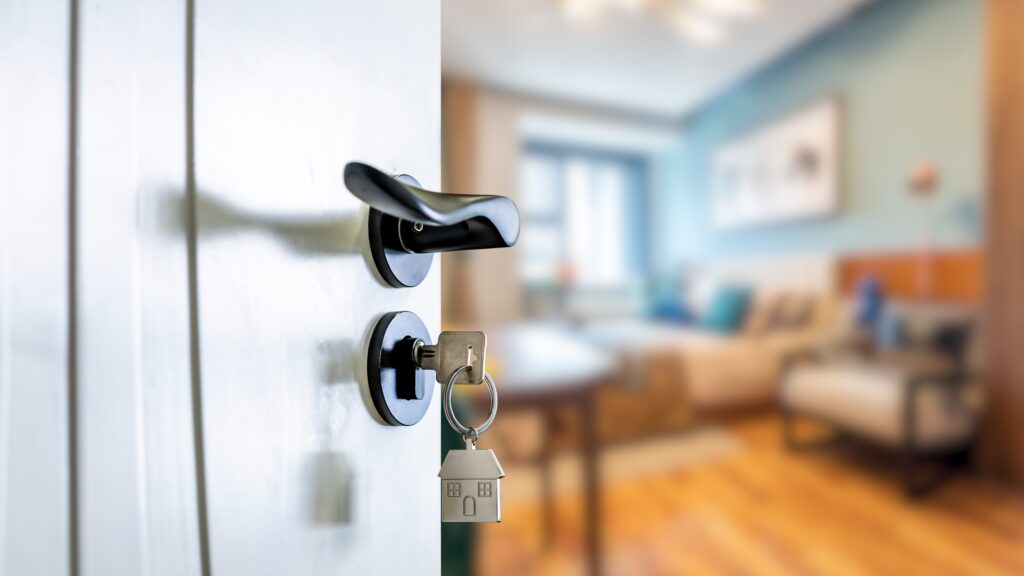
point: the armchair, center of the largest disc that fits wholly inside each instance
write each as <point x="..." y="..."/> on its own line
<point x="922" y="404"/>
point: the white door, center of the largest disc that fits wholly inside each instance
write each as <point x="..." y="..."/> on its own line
<point x="185" y="292"/>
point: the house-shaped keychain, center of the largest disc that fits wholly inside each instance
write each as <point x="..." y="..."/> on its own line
<point x="471" y="486"/>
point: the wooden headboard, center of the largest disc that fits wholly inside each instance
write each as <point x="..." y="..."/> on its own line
<point x="810" y="273"/>
<point x="941" y="276"/>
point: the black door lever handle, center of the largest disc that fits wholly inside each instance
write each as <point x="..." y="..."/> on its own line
<point x="475" y="222"/>
<point x="406" y="221"/>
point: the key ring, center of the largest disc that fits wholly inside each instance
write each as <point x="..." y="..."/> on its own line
<point x="449" y="412"/>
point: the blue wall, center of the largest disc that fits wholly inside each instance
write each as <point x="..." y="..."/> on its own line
<point x="909" y="76"/>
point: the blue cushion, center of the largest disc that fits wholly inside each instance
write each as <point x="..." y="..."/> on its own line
<point x="889" y="331"/>
<point x="870" y="303"/>
<point x="671" y="309"/>
<point x="727" y="309"/>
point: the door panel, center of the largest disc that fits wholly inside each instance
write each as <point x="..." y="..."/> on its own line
<point x="301" y="479"/>
<point x="137" y="479"/>
<point x="34" y="130"/>
<point x="171" y="412"/>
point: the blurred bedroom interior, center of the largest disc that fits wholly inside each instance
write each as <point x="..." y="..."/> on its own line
<point x="748" y="326"/>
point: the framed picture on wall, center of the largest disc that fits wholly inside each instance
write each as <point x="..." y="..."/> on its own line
<point x="785" y="171"/>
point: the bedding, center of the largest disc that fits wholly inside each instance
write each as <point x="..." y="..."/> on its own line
<point x="671" y="370"/>
<point x="716" y="371"/>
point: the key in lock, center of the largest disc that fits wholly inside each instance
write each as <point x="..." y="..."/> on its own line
<point x="453" y="351"/>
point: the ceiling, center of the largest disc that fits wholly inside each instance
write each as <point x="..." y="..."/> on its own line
<point x="633" y="60"/>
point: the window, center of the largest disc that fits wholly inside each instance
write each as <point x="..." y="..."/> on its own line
<point x="454" y="489"/>
<point x="484" y="489"/>
<point x="582" y="218"/>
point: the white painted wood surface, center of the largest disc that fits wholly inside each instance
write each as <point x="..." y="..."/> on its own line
<point x="34" y="489"/>
<point x="301" y="479"/>
<point x="137" y="481"/>
<point x="299" y="476"/>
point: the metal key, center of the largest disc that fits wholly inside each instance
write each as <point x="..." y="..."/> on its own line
<point x="453" y="351"/>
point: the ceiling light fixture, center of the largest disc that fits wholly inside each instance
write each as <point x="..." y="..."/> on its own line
<point x="581" y="10"/>
<point x="697" y="21"/>
<point x="730" y="8"/>
<point x="698" y="28"/>
<point x="631" y="6"/>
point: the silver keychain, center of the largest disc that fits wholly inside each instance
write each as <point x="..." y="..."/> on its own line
<point x="470" y="478"/>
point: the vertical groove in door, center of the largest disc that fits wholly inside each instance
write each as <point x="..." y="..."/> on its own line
<point x="5" y="375"/>
<point x="73" y="516"/>
<point x="193" y="286"/>
<point x="5" y="388"/>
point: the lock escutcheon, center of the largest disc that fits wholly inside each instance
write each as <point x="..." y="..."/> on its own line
<point x="399" y="389"/>
<point x="398" y="354"/>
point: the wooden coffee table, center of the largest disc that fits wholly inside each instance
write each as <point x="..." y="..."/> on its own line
<point x="544" y="369"/>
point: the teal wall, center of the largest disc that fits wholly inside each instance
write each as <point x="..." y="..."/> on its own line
<point x="909" y="76"/>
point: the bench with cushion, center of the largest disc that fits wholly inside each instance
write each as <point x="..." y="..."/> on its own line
<point x="918" y="401"/>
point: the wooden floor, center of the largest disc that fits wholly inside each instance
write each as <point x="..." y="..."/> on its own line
<point x="766" y="511"/>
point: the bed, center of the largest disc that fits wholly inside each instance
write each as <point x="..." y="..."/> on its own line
<point x="669" y="372"/>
